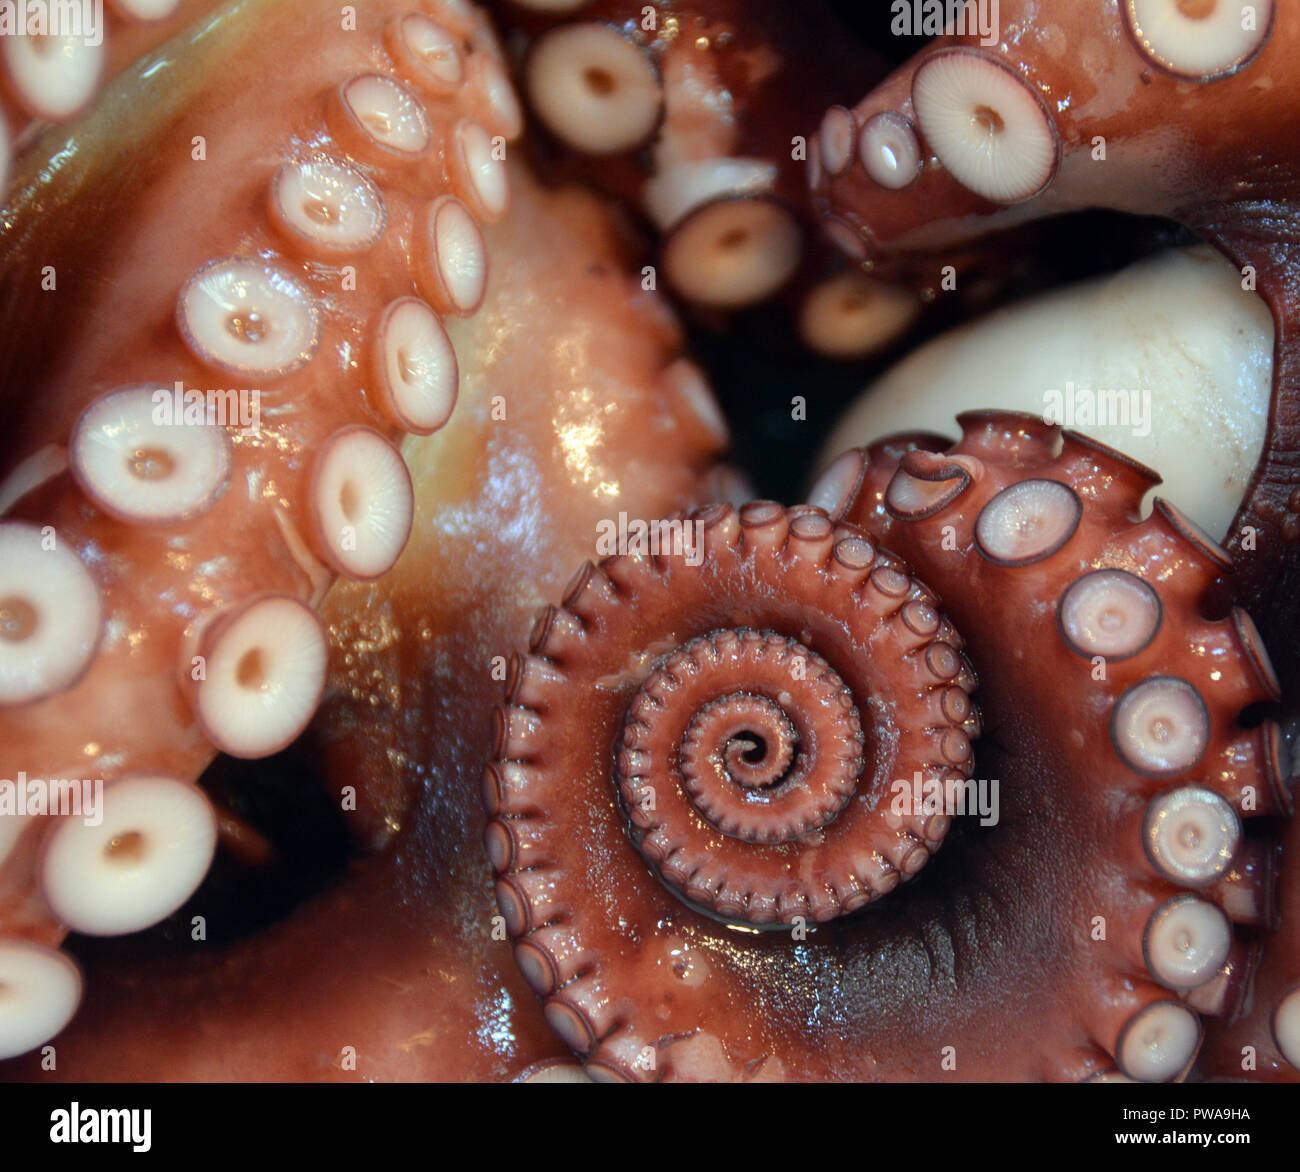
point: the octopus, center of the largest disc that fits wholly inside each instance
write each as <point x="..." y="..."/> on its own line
<point x="401" y="677"/>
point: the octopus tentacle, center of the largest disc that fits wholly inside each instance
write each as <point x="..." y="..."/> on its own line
<point x="696" y="115"/>
<point x="1012" y="133"/>
<point x="1055" y="537"/>
<point x="628" y="755"/>
<point x="45" y="985"/>
<point x="233" y="579"/>
<point x="191" y="535"/>
<point x="756" y="701"/>
<point x="412" y="669"/>
<point x="53" y="68"/>
<point x="1203" y="361"/>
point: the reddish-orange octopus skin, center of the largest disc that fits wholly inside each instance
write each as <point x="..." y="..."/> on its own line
<point x="126" y="38"/>
<point x="122" y="287"/>
<point x="769" y="69"/>
<point x="783" y="610"/>
<point x="747" y="82"/>
<point x="1136" y="131"/>
<point x="1223" y="660"/>
<point x="397" y="960"/>
<point x="740" y="84"/>
<point x="623" y="980"/>
<point x="707" y="933"/>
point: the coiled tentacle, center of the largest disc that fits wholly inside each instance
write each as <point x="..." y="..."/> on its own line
<point x="394" y="968"/>
<point x="757" y="694"/>
<point x="1111" y="715"/>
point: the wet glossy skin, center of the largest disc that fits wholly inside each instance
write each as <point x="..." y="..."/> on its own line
<point x="126" y="40"/>
<point x="1081" y="59"/>
<point x="956" y="958"/>
<point x="565" y="418"/>
<point x="740" y="82"/>
<point x="1173" y="148"/>
<point x="1170" y="150"/>
<point x="397" y="959"/>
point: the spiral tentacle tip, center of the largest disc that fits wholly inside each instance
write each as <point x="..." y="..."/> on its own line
<point x="756" y="747"/>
